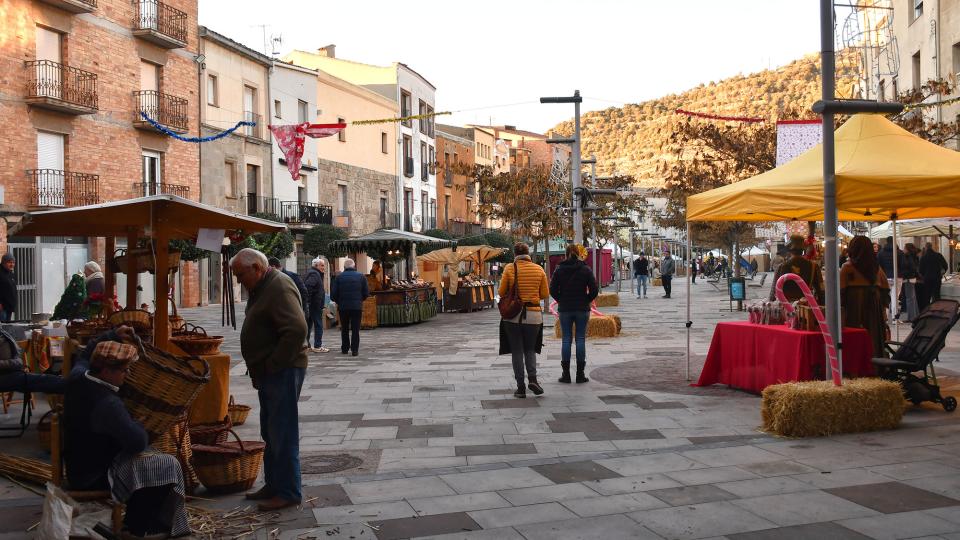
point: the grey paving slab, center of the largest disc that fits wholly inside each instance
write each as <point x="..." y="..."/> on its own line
<point x="396" y="529"/>
<point x="394" y="490"/>
<point x="700" y="520"/>
<point x="425" y="432"/>
<point x="820" y="531"/>
<point x="623" y="435"/>
<point x="613" y="504"/>
<point x="684" y="495"/>
<point x="363" y="512"/>
<point x="328" y="495"/>
<point x="503" y="533"/>
<point x="384" y="422"/>
<point x="841" y="478"/>
<point x="509" y="403"/>
<point x="652" y="463"/>
<point x="542" y="494"/>
<point x="776" y="468"/>
<point x="759" y="487"/>
<point x="893" y="497"/>
<point x="615" y="527"/>
<point x="633" y="484"/>
<point x="579" y="471"/>
<point x="512" y="478"/>
<point x="495" y="449"/>
<point x="901" y="525"/>
<point x="909" y="471"/>
<point x="711" y="475"/>
<point x="397" y="400"/>
<point x="803" y="507"/>
<point x="522" y="515"/>
<point x="719" y="457"/>
<point x="948" y="486"/>
<point x="949" y="513"/>
<point x="458" y="503"/>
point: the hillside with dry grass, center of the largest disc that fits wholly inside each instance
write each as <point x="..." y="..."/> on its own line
<point x="631" y="139"/>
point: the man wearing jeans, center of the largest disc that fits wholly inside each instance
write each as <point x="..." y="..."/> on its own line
<point x="667" y="267"/>
<point x="316" y="300"/>
<point x="272" y="345"/>
<point x="349" y="291"/>
<point x="641" y="271"/>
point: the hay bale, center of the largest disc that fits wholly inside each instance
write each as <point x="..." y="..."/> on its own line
<point x="597" y="326"/>
<point x="818" y="408"/>
<point x="608" y="299"/>
<point x="617" y="321"/>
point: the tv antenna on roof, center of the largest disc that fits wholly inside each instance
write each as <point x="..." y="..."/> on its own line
<point x="276" y="42"/>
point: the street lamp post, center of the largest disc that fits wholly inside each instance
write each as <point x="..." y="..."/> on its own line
<point x="593" y="184"/>
<point x="575" y="159"/>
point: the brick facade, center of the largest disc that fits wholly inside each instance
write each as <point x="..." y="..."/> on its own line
<point x="456" y="205"/>
<point x="105" y="143"/>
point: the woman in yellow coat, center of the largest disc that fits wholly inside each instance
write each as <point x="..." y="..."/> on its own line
<point x="524" y="331"/>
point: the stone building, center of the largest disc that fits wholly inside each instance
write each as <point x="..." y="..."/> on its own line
<point x="78" y="75"/>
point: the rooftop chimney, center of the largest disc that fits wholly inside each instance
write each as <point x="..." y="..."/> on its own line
<point x="330" y="51"/>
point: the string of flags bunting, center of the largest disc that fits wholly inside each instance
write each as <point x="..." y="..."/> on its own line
<point x="163" y="129"/>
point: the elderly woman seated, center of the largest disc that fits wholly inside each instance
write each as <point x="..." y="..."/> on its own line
<point x="106" y="449"/>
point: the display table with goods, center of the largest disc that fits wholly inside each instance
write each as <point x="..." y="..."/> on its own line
<point x="472" y="293"/>
<point x="407" y="302"/>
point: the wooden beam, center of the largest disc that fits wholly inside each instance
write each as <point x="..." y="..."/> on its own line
<point x="131" y="270"/>
<point x="109" y="278"/>
<point x="161" y="319"/>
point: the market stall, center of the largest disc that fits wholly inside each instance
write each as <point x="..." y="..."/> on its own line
<point x="882" y="172"/>
<point x="398" y="302"/>
<point x="465" y="290"/>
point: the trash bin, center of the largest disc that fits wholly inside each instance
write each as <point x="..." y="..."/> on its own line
<point x="737" y="287"/>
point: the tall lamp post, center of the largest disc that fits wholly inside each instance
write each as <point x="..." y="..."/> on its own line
<point x="592" y="161"/>
<point x="575" y="159"/>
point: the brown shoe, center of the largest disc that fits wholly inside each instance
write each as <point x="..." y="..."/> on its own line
<point x="276" y="503"/>
<point x="261" y="494"/>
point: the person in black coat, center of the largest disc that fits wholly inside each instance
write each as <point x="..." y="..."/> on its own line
<point x="316" y="300"/>
<point x="349" y="291"/>
<point x="574" y="287"/>
<point x="8" y="288"/>
<point x="932" y="268"/>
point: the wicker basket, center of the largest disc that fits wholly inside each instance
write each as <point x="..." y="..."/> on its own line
<point x="176" y="321"/>
<point x="143" y="260"/>
<point x="211" y="434"/>
<point x="176" y="442"/>
<point x="83" y="331"/>
<point x="194" y="340"/>
<point x="160" y="387"/>
<point x="137" y="319"/>
<point x="228" y="467"/>
<point x="238" y="413"/>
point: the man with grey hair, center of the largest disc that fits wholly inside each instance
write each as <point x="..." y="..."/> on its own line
<point x="349" y="291"/>
<point x="271" y="342"/>
<point x="316" y="300"/>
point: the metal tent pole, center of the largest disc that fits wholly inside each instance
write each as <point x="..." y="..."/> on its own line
<point x="689" y="322"/>
<point x="895" y="301"/>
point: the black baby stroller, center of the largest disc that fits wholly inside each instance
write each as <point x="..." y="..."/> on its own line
<point x="918" y="353"/>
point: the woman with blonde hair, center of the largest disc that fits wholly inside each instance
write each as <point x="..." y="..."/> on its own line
<point x="524" y="332"/>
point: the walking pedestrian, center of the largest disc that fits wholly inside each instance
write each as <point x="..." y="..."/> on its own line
<point x="641" y="271"/>
<point x="8" y="288"/>
<point x="272" y="345"/>
<point x="349" y="291"/>
<point x="275" y="264"/>
<point x="667" y="267"/>
<point x="573" y="286"/>
<point x="885" y="259"/>
<point x="911" y="274"/>
<point x="522" y="335"/>
<point x="693" y="271"/>
<point x="316" y="302"/>
<point x="932" y="268"/>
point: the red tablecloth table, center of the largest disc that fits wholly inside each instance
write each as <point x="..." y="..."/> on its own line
<point x="753" y="356"/>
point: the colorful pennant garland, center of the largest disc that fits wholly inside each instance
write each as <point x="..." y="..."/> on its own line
<point x="163" y="129"/>
<point x="399" y="119"/>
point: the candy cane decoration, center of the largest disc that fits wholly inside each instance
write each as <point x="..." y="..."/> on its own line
<point x="818" y="313"/>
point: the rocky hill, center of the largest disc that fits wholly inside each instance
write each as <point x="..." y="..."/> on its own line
<point x="628" y="139"/>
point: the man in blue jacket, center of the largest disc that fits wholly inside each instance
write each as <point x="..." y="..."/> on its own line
<point x="349" y="291"/>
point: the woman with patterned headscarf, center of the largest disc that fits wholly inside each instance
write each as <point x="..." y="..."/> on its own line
<point x="865" y="293"/>
<point x="93" y="277"/>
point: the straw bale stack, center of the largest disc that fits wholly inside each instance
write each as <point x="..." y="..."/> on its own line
<point x="818" y="408"/>
<point x="597" y="326"/>
<point x="608" y="299"/>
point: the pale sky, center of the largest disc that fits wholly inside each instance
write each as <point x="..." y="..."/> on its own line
<point x="486" y="57"/>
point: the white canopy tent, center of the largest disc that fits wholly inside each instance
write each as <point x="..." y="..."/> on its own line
<point x="915" y="227"/>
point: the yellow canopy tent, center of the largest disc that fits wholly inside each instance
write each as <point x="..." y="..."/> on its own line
<point x="445" y="256"/>
<point x="881" y="170"/>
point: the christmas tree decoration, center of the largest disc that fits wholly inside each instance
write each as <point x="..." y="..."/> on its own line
<point x="71" y="305"/>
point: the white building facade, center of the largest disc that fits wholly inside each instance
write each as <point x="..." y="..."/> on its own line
<point x="417" y="151"/>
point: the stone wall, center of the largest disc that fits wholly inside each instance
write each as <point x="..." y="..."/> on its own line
<point x="364" y="188"/>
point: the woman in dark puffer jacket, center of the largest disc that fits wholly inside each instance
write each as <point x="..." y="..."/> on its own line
<point x="573" y="287"/>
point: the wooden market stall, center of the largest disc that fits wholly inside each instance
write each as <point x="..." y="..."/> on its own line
<point x="395" y="302"/>
<point x="461" y="293"/>
<point x="160" y="219"/>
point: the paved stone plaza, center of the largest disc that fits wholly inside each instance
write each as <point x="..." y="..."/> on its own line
<point x="440" y="448"/>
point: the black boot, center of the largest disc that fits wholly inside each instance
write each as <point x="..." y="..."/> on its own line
<point x="565" y="376"/>
<point x="581" y="378"/>
<point x="521" y="391"/>
<point x="535" y="387"/>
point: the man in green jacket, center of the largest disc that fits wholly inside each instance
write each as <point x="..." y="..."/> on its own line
<point x="272" y="345"/>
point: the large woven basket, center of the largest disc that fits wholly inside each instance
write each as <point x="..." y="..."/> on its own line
<point x="194" y="340"/>
<point x="211" y="434"/>
<point x="143" y="260"/>
<point x="137" y="319"/>
<point x="228" y="467"/>
<point x="238" y="413"/>
<point x="176" y="442"/>
<point x="160" y="387"/>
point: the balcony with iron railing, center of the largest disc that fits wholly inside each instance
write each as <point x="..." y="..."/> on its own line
<point x="145" y="189"/>
<point x="448" y="177"/>
<point x="255" y="131"/>
<point x="73" y="6"/>
<point x="54" y="86"/>
<point x="159" y="24"/>
<point x="471" y="189"/>
<point x="164" y="109"/>
<point x="408" y="167"/>
<point x="305" y="213"/>
<point x="389" y="220"/>
<point x="56" y="188"/>
<point x="256" y="204"/>
<point x="343" y="219"/>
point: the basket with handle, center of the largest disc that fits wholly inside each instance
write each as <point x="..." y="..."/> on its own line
<point x="176" y="442"/>
<point x="137" y="319"/>
<point x="238" y="413"/>
<point x="194" y="340"/>
<point x="228" y="467"/>
<point x="176" y="321"/>
<point x="211" y="434"/>
<point x="143" y="260"/>
<point x="160" y="387"/>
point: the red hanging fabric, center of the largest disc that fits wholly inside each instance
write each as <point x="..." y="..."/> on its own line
<point x="290" y="139"/>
